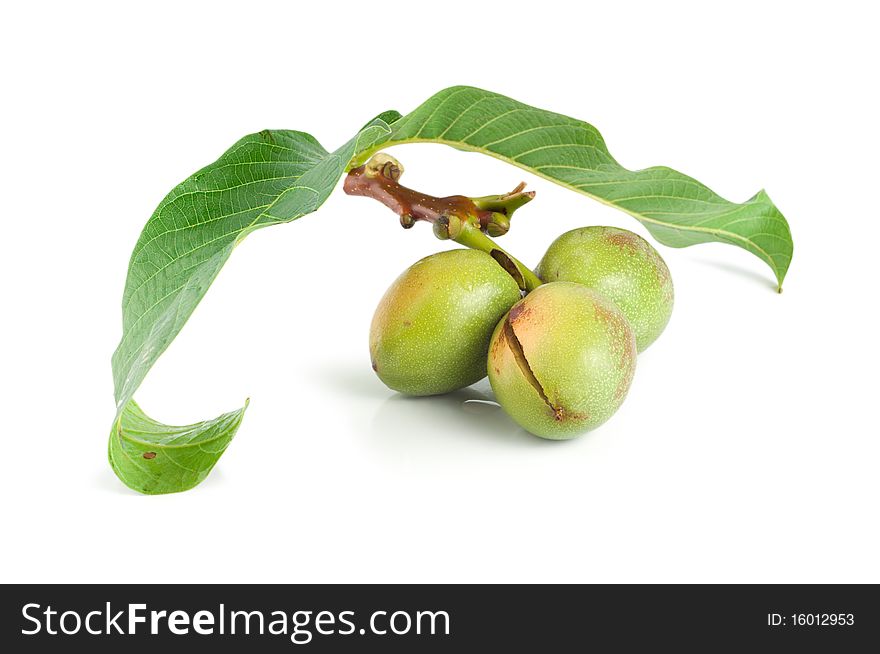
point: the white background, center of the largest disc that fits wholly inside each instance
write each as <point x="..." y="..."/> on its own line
<point x="747" y="450"/>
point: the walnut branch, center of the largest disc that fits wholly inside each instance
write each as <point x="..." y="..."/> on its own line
<point x="468" y="221"/>
<point x="378" y="179"/>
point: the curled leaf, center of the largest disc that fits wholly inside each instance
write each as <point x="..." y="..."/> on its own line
<point x="676" y="209"/>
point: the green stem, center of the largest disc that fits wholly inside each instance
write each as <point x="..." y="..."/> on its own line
<point x="473" y="238"/>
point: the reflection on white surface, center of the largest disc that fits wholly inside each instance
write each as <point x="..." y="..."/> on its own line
<point x="351" y="379"/>
<point x="478" y="406"/>
<point x="446" y="426"/>
<point x="763" y="278"/>
<point x="465" y="424"/>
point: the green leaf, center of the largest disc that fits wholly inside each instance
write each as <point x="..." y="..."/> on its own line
<point x="678" y="210"/>
<point x="153" y="458"/>
<point x="277" y="176"/>
<point x="388" y="117"/>
<point x="267" y="178"/>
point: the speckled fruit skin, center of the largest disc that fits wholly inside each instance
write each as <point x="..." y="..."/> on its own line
<point x="430" y="333"/>
<point x="562" y="360"/>
<point x="620" y="265"/>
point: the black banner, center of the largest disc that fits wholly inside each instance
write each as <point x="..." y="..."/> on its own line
<point x="437" y="618"/>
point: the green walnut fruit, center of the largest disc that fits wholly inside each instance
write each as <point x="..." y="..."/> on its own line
<point x="562" y="360"/>
<point x="430" y="333"/>
<point x="620" y="265"/>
